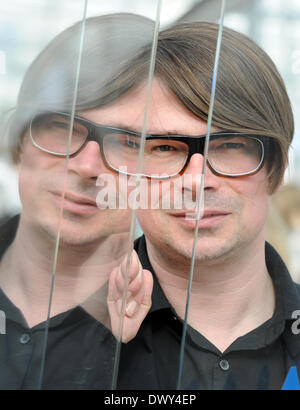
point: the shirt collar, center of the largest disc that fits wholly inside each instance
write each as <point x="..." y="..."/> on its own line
<point x="159" y="300"/>
<point x="287" y="292"/>
<point x="12" y="312"/>
<point x="8" y="233"/>
<point x="287" y="298"/>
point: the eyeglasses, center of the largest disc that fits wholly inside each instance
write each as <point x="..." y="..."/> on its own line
<point x="230" y="154"/>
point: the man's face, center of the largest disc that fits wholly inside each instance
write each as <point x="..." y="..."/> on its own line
<point x="44" y="177"/>
<point x="235" y="209"/>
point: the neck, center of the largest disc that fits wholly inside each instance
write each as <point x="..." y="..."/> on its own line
<point x="228" y="298"/>
<point x="81" y="272"/>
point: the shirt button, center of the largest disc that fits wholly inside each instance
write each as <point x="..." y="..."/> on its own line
<point x="224" y="364"/>
<point x="25" y="338"/>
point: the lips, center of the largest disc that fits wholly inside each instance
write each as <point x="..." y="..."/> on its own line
<point x="207" y="213"/>
<point x="79" y="199"/>
<point x="211" y="218"/>
<point x="76" y="203"/>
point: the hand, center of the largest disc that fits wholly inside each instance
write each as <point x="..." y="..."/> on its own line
<point x="138" y="298"/>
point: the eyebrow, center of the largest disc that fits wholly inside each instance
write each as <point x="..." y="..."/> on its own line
<point x="166" y="133"/>
<point x="163" y="133"/>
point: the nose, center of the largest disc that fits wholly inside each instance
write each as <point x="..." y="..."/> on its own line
<point x="88" y="163"/>
<point x="193" y="174"/>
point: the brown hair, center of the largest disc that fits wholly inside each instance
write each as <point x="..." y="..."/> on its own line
<point x="250" y="94"/>
<point x="109" y="42"/>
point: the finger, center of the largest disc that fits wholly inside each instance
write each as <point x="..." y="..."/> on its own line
<point x="130" y="275"/>
<point x="115" y="290"/>
<point x="142" y="300"/>
<point x="130" y="270"/>
<point x="120" y="280"/>
<point x="132" y="323"/>
<point x="131" y="308"/>
<point x="148" y="288"/>
<point x="136" y="285"/>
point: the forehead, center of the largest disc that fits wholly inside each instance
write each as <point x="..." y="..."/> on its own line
<point x="165" y="113"/>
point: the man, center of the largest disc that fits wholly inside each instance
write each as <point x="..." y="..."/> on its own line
<point x="240" y="318"/>
<point x="241" y="332"/>
<point x="57" y="256"/>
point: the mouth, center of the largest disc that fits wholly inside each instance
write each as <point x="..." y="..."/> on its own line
<point x="76" y="203"/>
<point x="208" y="218"/>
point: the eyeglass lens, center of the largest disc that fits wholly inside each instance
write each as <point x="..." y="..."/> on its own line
<point x="227" y="154"/>
<point x="52" y="133"/>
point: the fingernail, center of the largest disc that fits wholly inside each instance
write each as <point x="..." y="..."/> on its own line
<point x="131" y="308"/>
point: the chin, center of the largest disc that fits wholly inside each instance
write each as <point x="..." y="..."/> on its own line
<point x="207" y="250"/>
<point x="69" y="233"/>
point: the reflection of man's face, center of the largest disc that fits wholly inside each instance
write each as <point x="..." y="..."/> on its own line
<point x="42" y="181"/>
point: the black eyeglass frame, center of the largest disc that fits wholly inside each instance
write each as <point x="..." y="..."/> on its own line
<point x="195" y="143"/>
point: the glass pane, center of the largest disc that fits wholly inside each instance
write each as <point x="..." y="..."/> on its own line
<point x="125" y="143"/>
<point x="63" y="328"/>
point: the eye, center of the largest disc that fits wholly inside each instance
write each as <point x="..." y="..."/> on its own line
<point x="231" y="145"/>
<point x="60" y="124"/>
<point x="164" y="148"/>
<point x="131" y="143"/>
<point x="56" y="123"/>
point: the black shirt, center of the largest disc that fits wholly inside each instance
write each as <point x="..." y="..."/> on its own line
<point x="80" y="351"/>
<point x="260" y="359"/>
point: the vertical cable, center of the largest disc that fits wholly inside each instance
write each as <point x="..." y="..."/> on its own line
<point x="200" y="199"/>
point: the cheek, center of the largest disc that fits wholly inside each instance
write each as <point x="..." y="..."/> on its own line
<point x="161" y="194"/>
<point x="35" y="168"/>
<point x="252" y="187"/>
<point x="28" y="173"/>
<point x="35" y="161"/>
<point x="28" y="183"/>
<point x="256" y="201"/>
<point x="149" y="220"/>
<point x="156" y="225"/>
